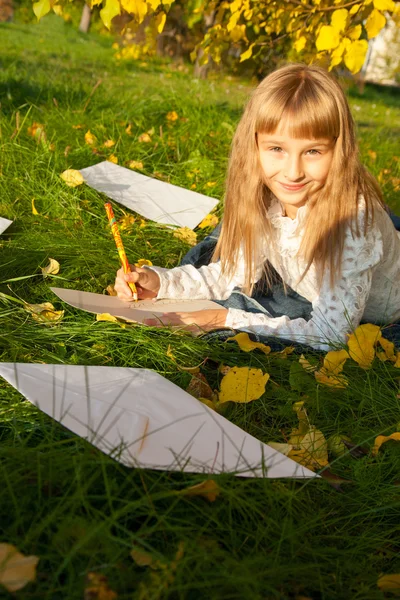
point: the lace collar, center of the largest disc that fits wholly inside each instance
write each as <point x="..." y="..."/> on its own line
<point x="280" y="221"/>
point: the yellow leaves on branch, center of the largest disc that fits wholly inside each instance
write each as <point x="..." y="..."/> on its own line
<point x="242" y="384"/>
<point x="375" y="22"/>
<point x="72" y="177"/>
<point x="41" y="8"/>
<point x="16" y="570"/>
<point x="111" y="9"/>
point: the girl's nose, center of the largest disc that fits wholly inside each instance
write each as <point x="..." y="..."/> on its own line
<point x="293" y="169"/>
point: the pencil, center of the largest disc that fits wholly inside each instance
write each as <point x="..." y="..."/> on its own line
<point x="120" y="246"/>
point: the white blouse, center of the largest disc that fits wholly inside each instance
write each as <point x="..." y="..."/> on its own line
<point x="369" y="287"/>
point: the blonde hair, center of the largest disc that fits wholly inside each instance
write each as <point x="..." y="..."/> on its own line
<point x="313" y="105"/>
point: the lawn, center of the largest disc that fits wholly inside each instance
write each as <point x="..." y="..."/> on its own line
<point x="78" y="510"/>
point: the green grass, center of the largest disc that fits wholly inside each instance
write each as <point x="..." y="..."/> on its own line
<point x="74" y="507"/>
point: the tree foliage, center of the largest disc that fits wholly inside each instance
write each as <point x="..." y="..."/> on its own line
<point x="332" y="32"/>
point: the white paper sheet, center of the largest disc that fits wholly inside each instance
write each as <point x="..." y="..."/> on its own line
<point x="4" y="223"/>
<point x="136" y="312"/>
<point x="156" y="200"/>
<point x="141" y="419"/>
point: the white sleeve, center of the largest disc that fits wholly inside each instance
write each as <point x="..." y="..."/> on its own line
<point x="207" y="282"/>
<point x="335" y="312"/>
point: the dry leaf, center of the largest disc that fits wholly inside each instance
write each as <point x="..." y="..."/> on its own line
<point x="209" y="221"/>
<point x="52" y="268"/>
<point x="128" y="129"/>
<point x="144" y="137"/>
<point x="97" y="588"/>
<point x="36" y="130"/>
<point x="389" y="352"/>
<point x="389" y="582"/>
<point x="72" y="177"/>
<point x="372" y="154"/>
<point x="285" y="352"/>
<point x="106" y="317"/>
<point x="208" y="489"/>
<point x="172" y="116"/>
<point x="109" y="144"/>
<point x="242" y="384"/>
<point x="281" y="447"/>
<point x="307" y="366"/>
<point x="143" y="262"/>
<point x="113" y="159"/>
<point x="362" y="342"/>
<point x="34" y="211"/>
<point x="312" y="451"/>
<point x="381" y="439"/>
<point x="111" y="290"/>
<point x="186" y="235"/>
<point x="247" y="345"/>
<point x="199" y="387"/>
<point x="126" y="222"/>
<point x="90" y="139"/>
<point x="16" y="570"/>
<point x="141" y="557"/>
<point x="135" y="164"/>
<point x="44" y="313"/>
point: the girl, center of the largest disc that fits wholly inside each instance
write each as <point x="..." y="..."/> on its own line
<point x="300" y="208"/>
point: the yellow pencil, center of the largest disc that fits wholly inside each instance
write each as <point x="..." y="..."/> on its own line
<point x="120" y="247"/>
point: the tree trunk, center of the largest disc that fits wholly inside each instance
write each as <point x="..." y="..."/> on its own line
<point x="201" y="71"/>
<point x="85" y="19"/>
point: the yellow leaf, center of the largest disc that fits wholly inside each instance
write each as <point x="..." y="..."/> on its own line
<point x="109" y="144"/>
<point x="247" y="54"/>
<point x="128" y="129"/>
<point x="16" y="570"/>
<point x="144" y="137"/>
<point x="307" y="366"/>
<point x="209" y="221"/>
<point x="154" y="3"/>
<point x="52" y="268"/>
<point x="97" y="588"/>
<point x="137" y="8"/>
<point x="135" y="164"/>
<point x="362" y="342"/>
<point x="72" y="177"/>
<point x="339" y="19"/>
<point x="246" y="344"/>
<point x="381" y="439"/>
<point x="170" y="354"/>
<point x="312" y="451"/>
<point x="160" y="21"/>
<point x="90" y="139"/>
<point x="331" y="381"/>
<point x="388" y="348"/>
<point x="242" y="384"/>
<point x="143" y="262"/>
<point x="111" y="290"/>
<point x="300" y="43"/>
<point x="186" y="235"/>
<point x="281" y="447"/>
<point x="208" y="489"/>
<point x="126" y="222"/>
<point x="375" y="22"/>
<point x="112" y="158"/>
<point x="372" y="154"/>
<point x="111" y="10"/>
<point x="172" y="115"/>
<point x="328" y="38"/>
<point x="384" y="4"/>
<point x="41" y="8"/>
<point x="44" y="313"/>
<point x="397" y="363"/>
<point x="34" y="211"/>
<point x="141" y="557"/>
<point x="238" y="33"/>
<point x="36" y="130"/>
<point x="333" y="365"/>
<point x="284" y="353"/>
<point x="354" y="9"/>
<point x="389" y="582"/>
<point x="355" y="32"/>
<point x="106" y="317"/>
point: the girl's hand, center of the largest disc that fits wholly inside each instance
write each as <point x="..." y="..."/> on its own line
<point x="147" y="283"/>
<point x="198" y="321"/>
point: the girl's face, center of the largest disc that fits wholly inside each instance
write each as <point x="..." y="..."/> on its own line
<point x="294" y="168"/>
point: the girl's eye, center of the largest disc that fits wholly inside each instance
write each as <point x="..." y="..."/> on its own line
<point x="276" y="149"/>
<point x="313" y="152"/>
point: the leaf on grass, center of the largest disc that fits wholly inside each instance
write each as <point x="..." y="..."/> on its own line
<point x="209" y="221"/>
<point x="185" y="234"/>
<point x="172" y="116"/>
<point x="90" y="139"/>
<point x="126" y="222"/>
<point x="142" y="558"/>
<point x="111" y="290"/>
<point x="329" y="374"/>
<point x="36" y="130"/>
<point x="106" y="317"/>
<point x="247" y="345"/>
<point x="381" y="439"/>
<point x="362" y="342"/>
<point x="143" y="262"/>
<point x="34" y="211"/>
<point x="284" y="353"/>
<point x="389" y="582"/>
<point x="97" y="588"/>
<point x="336" y="444"/>
<point x="16" y="570"/>
<point x="243" y="384"/>
<point x="389" y="352"/>
<point x="52" y="268"/>
<point x="109" y="144"/>
<point x="281" y="447"/>
<point x="44" y="313"/>
<point x="144" y="138"/>
<point x="135" y="164"/>
<point x="113" y="159"/>
<point x="200" y="388"/>
<point x="72" y="177"/>
<point x="208" y="489"/>
<point x="307" y="366"/>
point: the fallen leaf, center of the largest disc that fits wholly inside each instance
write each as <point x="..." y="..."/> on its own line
<point x="388" y="350"/>
<point x="185" y="234"/>
<point x="143" y="262"/>
<point x="113" y="159"/>
<point x="372" y="154"/>
<point x="381" y="439"/>
<point x="79" y="126"/>
<point x="97" y="588"/>
<point x="362" y="342"/>
<point x="16" y="570"/>
<point x="389" y="582"/>
<point x="247" y="345"/>
<point x="141" y="557"/>
<point x="281" y="447"/>
<point x="44" y="312"/>
<point x="242" y="384"/>
<point x="52" y="268"/>
<point x="144" y="137"/>
<point x="307" y="366"/>
<point x="111" y="290"/>
<point x="336" y="444"/>
<point x="172" y="116"/>
<point x="106" y="317"/>
<point x="199" y="387"/>
<point x="211" y="184"/>
<point x="208" y="489"/>
<point x="284" y="353"/>
<point x="312" y="451"/>
<point x="90" y="139"/>
<point x="128" y="129"/>
<point x="109" y="144"/>
<point x="209" y="221"/>
<point x="72" y="177"/>
<point x="34" y="211"/>
<point x="135" y="164"/>
<point x="126" y="222"/>
<point x="36" y="130"/>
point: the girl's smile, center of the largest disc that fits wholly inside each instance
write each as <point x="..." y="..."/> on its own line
<point x="294" y="168"/>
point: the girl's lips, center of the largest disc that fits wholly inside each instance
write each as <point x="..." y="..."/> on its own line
<point x="292" y="188"/>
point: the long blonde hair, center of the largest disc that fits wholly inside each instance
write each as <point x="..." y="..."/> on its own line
<point x="313" y="105"/>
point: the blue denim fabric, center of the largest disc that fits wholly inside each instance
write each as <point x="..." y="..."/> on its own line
<point x="273" y="300"/>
